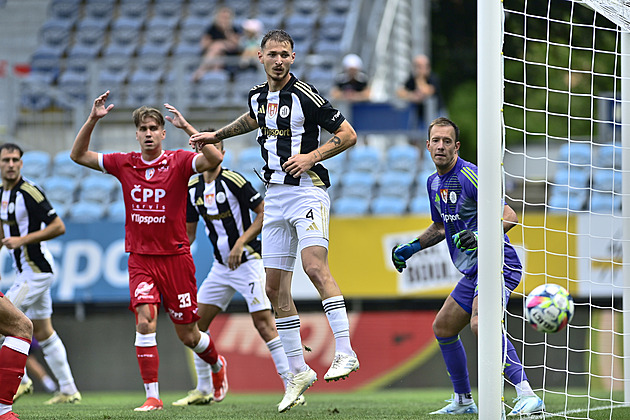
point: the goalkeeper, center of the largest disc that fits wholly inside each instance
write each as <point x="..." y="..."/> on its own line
<point x="453" y="195"/>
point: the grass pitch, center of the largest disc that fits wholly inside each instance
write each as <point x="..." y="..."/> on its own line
<point x="389" y="404"/>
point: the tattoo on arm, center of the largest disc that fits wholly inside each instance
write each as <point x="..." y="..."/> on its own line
<point x="336" y="141"/>
<point x="241" y="125"/>
<point x="432" y="236"/>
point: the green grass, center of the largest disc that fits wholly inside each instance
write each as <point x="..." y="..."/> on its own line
<point x="391" y="404"/>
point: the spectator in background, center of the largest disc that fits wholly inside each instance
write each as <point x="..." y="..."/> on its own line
<point x="221" y="39"/>
<point x="352" y="84"/>
<point x="250" y="44"/>
<point x="420" y="86"/>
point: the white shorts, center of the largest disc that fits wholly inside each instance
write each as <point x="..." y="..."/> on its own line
<point x="248" y="279"/>
<point x="30" y="293"/>
<point x="295" y="218"/>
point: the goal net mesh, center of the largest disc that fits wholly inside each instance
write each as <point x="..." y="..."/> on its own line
<point x="563" y="171"/>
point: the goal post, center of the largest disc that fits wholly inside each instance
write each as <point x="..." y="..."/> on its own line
<point x="553" y="141"/>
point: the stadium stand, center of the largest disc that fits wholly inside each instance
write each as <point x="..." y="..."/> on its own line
<point x="86" y="212"/>
<point x="351" y="206"/>
<point x="388" y="205"/>
<point x="36" y="165"/>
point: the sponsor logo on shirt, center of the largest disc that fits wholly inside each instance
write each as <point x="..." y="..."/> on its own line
<point x="175" y="315"/>
<point x="450" y="217"/>
<point x="276" y="132"/>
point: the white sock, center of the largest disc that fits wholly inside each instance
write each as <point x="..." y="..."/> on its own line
<point x="289" y="332"/>
<point x="152" y="390"/>
<point x="5" y="408"/>
<point x="204" y="375"/>
<point x="335" y="309"/>
<point x="25" y="378"/>
<point x="524" y="389"/>
<point x="279" y="358"/>
<point x="464" y="398"/>
<point x="57" y="360"/>
<point x="49" y="384"/>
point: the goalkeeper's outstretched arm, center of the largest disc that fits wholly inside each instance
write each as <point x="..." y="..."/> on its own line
<point x="431" y="236"/>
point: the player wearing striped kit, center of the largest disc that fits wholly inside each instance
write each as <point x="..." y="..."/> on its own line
<point x="288" y="114"/>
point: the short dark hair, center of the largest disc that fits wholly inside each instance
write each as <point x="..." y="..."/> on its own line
<point x="140" y="114"/>
<point x="9" y="147"/>
<point x="443" y="121"/>
<point x="277" y="35"/>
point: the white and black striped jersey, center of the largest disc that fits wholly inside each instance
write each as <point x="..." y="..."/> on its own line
<point x="224" y="206"/>
<point x="25" y="209"/>
<point x="289" y="122"/>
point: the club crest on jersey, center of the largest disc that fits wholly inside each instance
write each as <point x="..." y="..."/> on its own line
<point x="284" y="111"/>
<point x="148" y="174"/>
<point x="453" y="197"/>
<point x="208" y="199"/>
<point x="444" y="195"/>
<point x="272" y="109"/>
<point x="221" y="197"/>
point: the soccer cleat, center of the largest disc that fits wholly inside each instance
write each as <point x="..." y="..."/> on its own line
<point x="300" y="401"/>
<point x="9" y="416"/>
<point x="296" y="385"/>
<point x="194" y="397"/>
<point x="529" y="404"/>
<point x="24" y="389"/>
<point x="220" y="382"/>
<point x="456" y="408"/>
<point x="342" y="366"/>
<point x="150" y="404"/>
<point x="60" y="398"/>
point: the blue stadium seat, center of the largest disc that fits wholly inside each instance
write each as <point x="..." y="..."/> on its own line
<point x="358" y="184"/>
<point x="350" y="206"/>
<point x="336" y="165"/>
<point x="149" y="68"/>
<point x="306" y="7"/>
<point x="607" y="156"/>
<point x="86" y="212"/>
<point x="142" y="93"/>
<point x="339" y="6"/>
<point x="364" y="158"/>
<point x="63" y="166"/>
<point x="124" y="39"/>
<point x="322" y="78"/>
<point x="243" y="82"/>
<point x="164" y="16"/>
<point x="203" y="9"/>
<point x="573" y="176"/>
<point x="420" y="205"/>
<point x="388" y="205"/>
<point x="188" y="42"/>
<point x="116" y="211"/>
<point x="249" y="159"/>
<point x="65" y="10"/>
<point x="605" y="203"/>
<point x="301" y="27"/>
<point x="61" y="189"/>
<point x="403" y="157"/>
<point x="213" y="89"/>
<point x="158" y="39"/>
<point x="36" y="165"/>
<point x="133" y="13"/>
<point x="241" y="8"/>
<point x="575" y="153"/>
<point x="395" y="184"/>
<point x="88" y="40"/>
<point x="54" y="38"/>
<point x="113" y="72"/>
<point x="564" y="198"/>
<point x="607" y="180"/>
<point x="98" y="188"/>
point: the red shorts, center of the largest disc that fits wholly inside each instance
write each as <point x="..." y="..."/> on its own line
<point x="170" y="276"/>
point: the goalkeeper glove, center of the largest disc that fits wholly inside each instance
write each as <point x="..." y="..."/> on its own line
<point x="466" y="240"/>
<point x="401" y="253"/>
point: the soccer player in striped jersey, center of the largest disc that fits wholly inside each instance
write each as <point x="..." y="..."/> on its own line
<point x="288" y="114"/>
<point x="28" y="220"/>
<point x="17" y="330"/>
<point x="453" y="195"/>
<point x="161" y="269"/>
<point x="223" y="199"/>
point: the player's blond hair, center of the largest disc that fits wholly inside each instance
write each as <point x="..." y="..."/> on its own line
<point x="144" y="112"/>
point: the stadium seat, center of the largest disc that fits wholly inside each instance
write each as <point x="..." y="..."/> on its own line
<point x="100" y="9"/>
<point x="199" y="13"/>
<point x="60" y="189"/>
<point x="565" y="198"/>
<point x="607" y="156"/>
<point x="124" y="39"/>
<point x="164" y="16"/>
<point x="336" y="166"/>
<point x="358" y="184"/>
<point x="607" y="180"/>
<point x="44" y="68"/>
<point x="575" y="153"/>
<point x="301" y="27"/>
<point x="350" y="206"/>
<point x="158" y="39"/>
<point x="340" y="6"/>
<point x="88" y="40"/>
<point x="113" y="72"/>
<point x="420" y="205"/>
<point x="395" y="184"/>
<point x="212" y="90"/>
<point x="142" y="93"/>
<point x="189" y="36"/>
<point x="364" y="158"/>
<point x="605" y="202"/>
<point x="54" y="38"/>
<point x="243" y="82"/>
<point x="133" y="13"/>
<point x="573" y="176"/>
<point x="86" y="212"/>
<point x="249" y="159"/>
<point x="76" y="70"/>
<point x="65" y="10"/>
<point x="331" y="26"/>
<point x="322" y="78"/>
<point x="63" y="166"/>
<point x="306" y="7"/>
<point x="98" y="189"/>
<point x="403" y="157"/>
<point x="36" y="165"/>
<point x="116" y="211"/>
<point x="388" y="205"/>
<point x="241" y="8"/>
<point x="149" y="68"/>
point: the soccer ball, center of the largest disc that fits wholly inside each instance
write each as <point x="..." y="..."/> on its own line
<point x="549" y="308"/>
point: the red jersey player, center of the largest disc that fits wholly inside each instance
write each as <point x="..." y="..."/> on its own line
<point x="155" y="188"/>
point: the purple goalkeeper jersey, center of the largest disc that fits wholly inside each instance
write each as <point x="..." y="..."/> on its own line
<point x="453" y="199"/>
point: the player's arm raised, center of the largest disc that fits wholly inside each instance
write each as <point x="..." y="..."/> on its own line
<point x="80" y="149"/>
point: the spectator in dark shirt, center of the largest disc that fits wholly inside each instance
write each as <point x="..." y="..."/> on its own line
<point x="351" y="85"/>
<point x="221" y="39"/>
<point x="420" y="87"/>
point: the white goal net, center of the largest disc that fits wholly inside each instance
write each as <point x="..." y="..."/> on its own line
<point x="564" y="154"/>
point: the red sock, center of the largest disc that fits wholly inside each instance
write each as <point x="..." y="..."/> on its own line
<point x="149" y="362"/>
<point x="12" y="367"/>
<point x="209" y="354"/>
